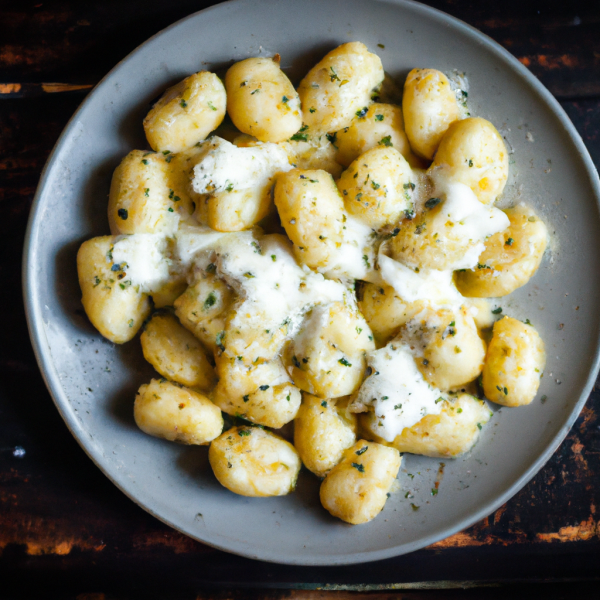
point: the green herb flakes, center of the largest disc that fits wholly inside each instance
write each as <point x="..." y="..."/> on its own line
<point x="359" y="467"/>
<point x="432" y="202"/>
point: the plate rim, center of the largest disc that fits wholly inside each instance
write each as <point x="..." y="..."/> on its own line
<point x="36" y="329"/>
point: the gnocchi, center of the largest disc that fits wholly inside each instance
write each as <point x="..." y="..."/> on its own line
<point x="186" y="113"/>
<point x="320" y="261"/>
<point x="177" y="414"/>
<point x="514" y="364"/>
<point x="356" y="489"/>
<point x="254" y="462"/>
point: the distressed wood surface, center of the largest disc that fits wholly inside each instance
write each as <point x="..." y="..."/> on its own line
<point x="65" y="529"/>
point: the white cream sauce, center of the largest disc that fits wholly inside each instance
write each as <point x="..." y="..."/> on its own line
<point x="396" y="391"/>
<point x="226" y="167"/>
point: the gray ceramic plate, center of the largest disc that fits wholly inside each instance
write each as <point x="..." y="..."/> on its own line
<point x="93" y="382"/>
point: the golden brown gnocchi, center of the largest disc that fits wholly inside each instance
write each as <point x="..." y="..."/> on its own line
<point x="177" y="414"/>
<point x="381" y="125"/>
<point x="176" y="354"/>
<point x="356" y="489"/>
<point x="323" y="430"/>
<point x="312" y="214"/>
<point x="327" y="356"/>
<point x="376" y="187"/>
<point x="510" y="258"/>
<point x="385" y="311"/>
<point x="449" y="434"/>
<point x="514" y="363"/>
<point x="140" y="199"/>
<point x="186" y="113"/>
<point x="430" y="107"/>
<point x="251" y="461"/>
<point x="473" y="152"/>
<point x="446" y="345"/>
<point x="115" y="309"/>
<point x="261" y="100"/>
<point x="203" y="307"/>
<point x="338" y="87"/>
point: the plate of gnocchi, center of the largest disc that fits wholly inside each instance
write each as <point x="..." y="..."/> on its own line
<point x="312" y="283"/>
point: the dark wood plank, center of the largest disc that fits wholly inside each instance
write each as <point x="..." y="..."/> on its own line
<point x="79" y="42"/>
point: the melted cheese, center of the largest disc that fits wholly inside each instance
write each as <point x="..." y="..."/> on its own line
<point x="396" y="391"/>
<point x="355" y="258"/>
<point x="427" y="284"/>
<point x="143" y="257"/>
<point x="226" y="167"/>
<point x="269" y="282"/>
<point x="470" y="219"/>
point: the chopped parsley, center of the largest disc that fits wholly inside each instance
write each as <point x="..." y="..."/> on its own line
<point x="386" y="141"/>
<point x="254" y="92"/>
<point x="362" y="112"/>
<point x="144" y="161"/>
<point x="470" y="163"/>
<point x="211" y="300"/>
<point x="263" y="388"/>
<point x="362" y="450"/>
<point x="312" y="110"/>
<point x="331" y="137"/>
<point x="379" y="117"/>
<point x="409" y="186"/>
<point x="479" y="426"/>
<point x="509" y="242"/>
<point x="211" y="106"/>
<point x="123" y="214"/>
<point x="147" y="192"/>
<point x="432" y="202"/>
<point x="497" y="311"/>
<point x="324" y="404"/>
<point x="246" y="398"/>
<point x="219" y="341"/>
<point x="366" y="259"/>
<point x="359" y="467"/>
<point x="274" y="257"/>
<point x="244" y="432"/>
<point x="344" y="362"/>
<point x="183" y="103"/>
<point x="285" y="99"/>
<point x="248" y="275"/>
<point x="375" y="186"/>
<point x="333" y="75"/>
<point x="299" y="137"/>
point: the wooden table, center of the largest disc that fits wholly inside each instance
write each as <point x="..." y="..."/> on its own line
<point x="66" y="531"/>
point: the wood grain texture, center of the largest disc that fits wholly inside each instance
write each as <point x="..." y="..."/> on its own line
<point x="62" y="522"/>
<point x="79" y="42"/>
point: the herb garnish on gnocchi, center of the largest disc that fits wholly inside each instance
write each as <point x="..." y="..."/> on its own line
<point x="323" y="258"/>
